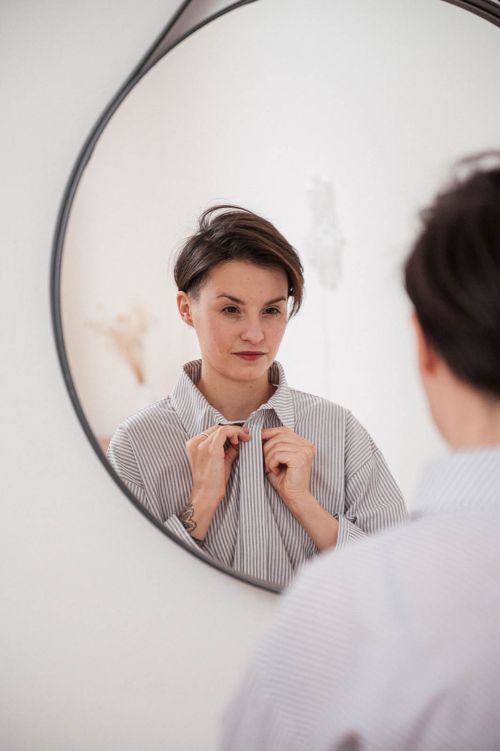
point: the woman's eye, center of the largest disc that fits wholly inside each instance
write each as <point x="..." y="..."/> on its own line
<point x="272" y="311"/>
<point x="230" y="310"/>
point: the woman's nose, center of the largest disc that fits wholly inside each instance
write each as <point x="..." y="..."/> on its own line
<point x="253" y="332"/>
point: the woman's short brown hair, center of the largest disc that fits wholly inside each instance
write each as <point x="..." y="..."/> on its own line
<point x="452" y="275"/>
<point x="229" y="233"/>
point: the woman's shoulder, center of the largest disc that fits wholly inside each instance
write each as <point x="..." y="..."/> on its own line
<point x="305" y="403"/>
<point x="159" y="415"/>
<point x="152" y="432"/>
<point x="310" y="407"/>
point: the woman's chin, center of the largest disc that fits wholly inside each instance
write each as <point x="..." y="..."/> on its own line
<point x="250" y="370"/>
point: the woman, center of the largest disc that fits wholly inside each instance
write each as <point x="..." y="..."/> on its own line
<point x="258" y="475"/>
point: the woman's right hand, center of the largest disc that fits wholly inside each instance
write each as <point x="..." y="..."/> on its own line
<point x="211" y="466"/>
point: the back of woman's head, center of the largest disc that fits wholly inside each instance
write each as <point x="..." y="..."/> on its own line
<point x="452" y="275"/>
<point x="231" y="233"/>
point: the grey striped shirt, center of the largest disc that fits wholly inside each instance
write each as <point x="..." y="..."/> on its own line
<point x="393" y="646"/>
<point x="252" y="530"/>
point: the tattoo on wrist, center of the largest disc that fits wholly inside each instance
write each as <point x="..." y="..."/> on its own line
<point x="187" y="521"/>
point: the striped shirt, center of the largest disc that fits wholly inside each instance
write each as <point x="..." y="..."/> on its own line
<point x="396" y="644"/>
<point x="252" y="531"/>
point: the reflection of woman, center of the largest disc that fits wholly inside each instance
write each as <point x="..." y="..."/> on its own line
<point x="258" y="475"/>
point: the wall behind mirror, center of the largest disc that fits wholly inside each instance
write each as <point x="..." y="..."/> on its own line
<point x="336" y="121"/>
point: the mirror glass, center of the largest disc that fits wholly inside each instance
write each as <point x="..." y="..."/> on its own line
<point x="335" y="121"/>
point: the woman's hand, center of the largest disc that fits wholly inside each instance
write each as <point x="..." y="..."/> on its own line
<point x="288" y="461"/>
<point x="211" y="455"/>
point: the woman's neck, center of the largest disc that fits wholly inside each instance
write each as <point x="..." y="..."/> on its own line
<point x="467" y="417"/>
<point x="235" y="400"/>
<point x="476" y="425"/>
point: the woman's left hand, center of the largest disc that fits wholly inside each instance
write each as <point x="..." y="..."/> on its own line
<point x="288" y="461"/>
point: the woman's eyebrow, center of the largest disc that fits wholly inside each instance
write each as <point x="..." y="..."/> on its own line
<point x="241" y="302"/>
<point x="230" y="297"/>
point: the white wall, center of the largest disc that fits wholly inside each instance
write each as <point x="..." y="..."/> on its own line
<point x="112" y="637"/>
<point x="250" y="110"/>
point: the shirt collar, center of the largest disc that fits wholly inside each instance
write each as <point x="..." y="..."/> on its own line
<point x="465" y="480"/>
<point x="196" y="414"/>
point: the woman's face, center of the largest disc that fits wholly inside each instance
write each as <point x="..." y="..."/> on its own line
<point x="240" y="315"/>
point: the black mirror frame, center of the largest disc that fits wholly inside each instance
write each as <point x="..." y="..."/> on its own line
<point x="486" y="9"/>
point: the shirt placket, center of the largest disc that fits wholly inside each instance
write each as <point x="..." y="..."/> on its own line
<point x="252" y="550"/>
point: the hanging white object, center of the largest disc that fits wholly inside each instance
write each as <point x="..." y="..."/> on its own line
<point x="324" y="244"/>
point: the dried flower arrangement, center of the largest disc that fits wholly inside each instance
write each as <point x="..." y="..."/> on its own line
<point x="126" y="333"/>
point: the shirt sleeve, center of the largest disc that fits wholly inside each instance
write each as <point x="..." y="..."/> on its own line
<point x="122" y="458"/>
<point x="174" y="525"/>
<point x="373" y="501"/>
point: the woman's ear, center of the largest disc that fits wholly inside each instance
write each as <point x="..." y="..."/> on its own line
<point x="184" y="306"/>
<point x="427" y="357"/>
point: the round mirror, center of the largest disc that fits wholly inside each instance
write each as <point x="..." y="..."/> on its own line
<point x="336" y="122"/>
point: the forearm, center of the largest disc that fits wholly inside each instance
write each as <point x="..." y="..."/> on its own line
<point x="197" y="515"/>
<point x="320" y="525"/>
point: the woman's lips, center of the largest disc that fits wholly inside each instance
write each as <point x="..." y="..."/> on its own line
<point x="250" y="356"/>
